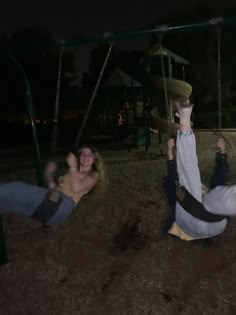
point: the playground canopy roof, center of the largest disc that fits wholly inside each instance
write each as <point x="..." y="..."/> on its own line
<point x="168" y="53"/>
<point x="121" y="79"/>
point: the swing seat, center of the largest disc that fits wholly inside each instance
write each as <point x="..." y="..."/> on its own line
<point x="176" y="89"/>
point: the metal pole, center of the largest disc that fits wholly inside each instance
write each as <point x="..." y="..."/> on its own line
<point x="110" y="36"/>
<point x="183" y="73"/>
<point x="170" y="100"/>
<point x="3" y="247"/>
<point x="146" y="130"/>
<point x="39" y="172"/>
<point x="56" y="107"/>
<point x="219" y="78"/>
<point x="79" y="135"/>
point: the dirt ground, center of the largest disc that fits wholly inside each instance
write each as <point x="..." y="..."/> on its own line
<point x="77" y="268"/>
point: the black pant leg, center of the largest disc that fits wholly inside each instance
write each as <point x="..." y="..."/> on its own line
<point x="221" y="171"/>
<point x="169" y="185"/>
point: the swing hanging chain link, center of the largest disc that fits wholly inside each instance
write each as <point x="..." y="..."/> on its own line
<point x="57" y="99"/>
<point x="164" y="81"/>
<point x="219" y="67"/>
<point x="219" y="76"/>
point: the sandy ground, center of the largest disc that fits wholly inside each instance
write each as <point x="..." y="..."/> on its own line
<point x="77" y="268"/>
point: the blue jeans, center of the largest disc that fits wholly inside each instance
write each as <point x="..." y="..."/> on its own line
<point x="219" y="177"/>
<point x="23" y="199"/>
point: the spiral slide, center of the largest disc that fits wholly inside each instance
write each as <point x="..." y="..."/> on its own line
<point x="176" y="89"/>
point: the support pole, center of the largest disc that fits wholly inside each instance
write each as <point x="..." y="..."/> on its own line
<point x="57" y="105"/>
<point x="146" y="131"/>
<point x="132" y="34"/>
<point x="29" y="100"/>
<point x="3" y="247"/>
<point x="86" y="116"/>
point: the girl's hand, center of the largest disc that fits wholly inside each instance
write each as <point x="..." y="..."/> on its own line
<point x="221" y="145"/>
<point x="50" y="169"/>
<point x="49" y="174"/>
<point x="72" y="161"/>
<point x="171" y="144"/>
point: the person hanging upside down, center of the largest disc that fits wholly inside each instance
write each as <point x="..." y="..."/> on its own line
<point x="52" y="205"/>
<point x="194" y="212"/>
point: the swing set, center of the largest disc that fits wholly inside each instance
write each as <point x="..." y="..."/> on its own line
<point x="167" y="86"/>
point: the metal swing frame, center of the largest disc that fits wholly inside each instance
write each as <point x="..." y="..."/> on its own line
<point x="107" y="37"/>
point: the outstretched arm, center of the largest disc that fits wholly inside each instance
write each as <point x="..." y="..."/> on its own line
<point x="171" y="165"/>
<point x="49" y="175"/>
<point x="169" y="185"/>
<point x="170" y="148"/>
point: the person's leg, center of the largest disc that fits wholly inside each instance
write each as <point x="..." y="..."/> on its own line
<point x="20" y="198"/>
<point x="24" y="199"/>
<point x="188" y="226"/>
<point x="169" y="185"/>
<point x="187" y="161"/>
<point x="221" y="168"/>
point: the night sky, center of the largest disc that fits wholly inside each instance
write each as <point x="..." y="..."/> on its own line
<point x="65" y="19"/>
<point x="69" y="18"/>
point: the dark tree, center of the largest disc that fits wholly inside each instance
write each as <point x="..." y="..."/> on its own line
<point x="40" y="63"/>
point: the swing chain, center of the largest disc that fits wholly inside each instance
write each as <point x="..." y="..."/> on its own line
<point x="219" y="76"/>
<point x="55" y="120"/>
<point x="164" y="80"/>
<point x="219" y="67"/>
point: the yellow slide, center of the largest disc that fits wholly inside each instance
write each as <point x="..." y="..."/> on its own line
<point x="176" y="89"/>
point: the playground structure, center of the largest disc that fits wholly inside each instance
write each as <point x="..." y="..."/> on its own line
<point x="168" y="85"/>
<point x="123" y="113"/>
<point x="164" y="78"/>
<point x="137" y="103"/>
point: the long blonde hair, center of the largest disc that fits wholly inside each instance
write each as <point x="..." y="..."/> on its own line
<point x="97" y="167"/>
